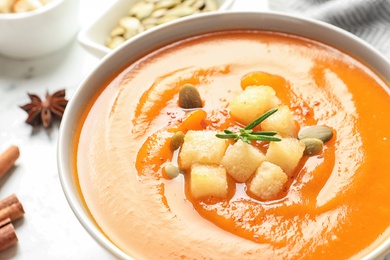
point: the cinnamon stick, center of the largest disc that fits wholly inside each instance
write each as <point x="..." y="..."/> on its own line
<point x="7" y="159"/>
<point x="11" y="208"/>
<point x="7" y="234"/>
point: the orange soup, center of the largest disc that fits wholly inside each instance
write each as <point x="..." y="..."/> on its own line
<point x="335" y="205"/>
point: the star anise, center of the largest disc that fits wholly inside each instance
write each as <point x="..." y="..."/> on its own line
<point x="42" y="112"/>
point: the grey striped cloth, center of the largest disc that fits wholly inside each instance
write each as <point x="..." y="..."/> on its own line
<point x="368" y="19"/>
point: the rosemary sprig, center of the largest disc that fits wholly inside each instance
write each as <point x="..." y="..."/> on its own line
<point x="246" y="134"/>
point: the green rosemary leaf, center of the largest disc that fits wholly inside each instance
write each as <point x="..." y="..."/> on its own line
<point x="263" y="138"/>
<point x="269" y="133"/>
<point x="260" y="119"/>
<point x="226" y="136"/>
<point x="243" y="131"/>
<point x="245" y="139"/>
<point x="246" y="134"/>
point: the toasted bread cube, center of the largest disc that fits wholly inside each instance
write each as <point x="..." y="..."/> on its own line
<point x="252" y="103"/>
<point x="285" y="154"/>
<point x="208" y="180"/>
<point x="202" y="147"/>
<point x="241" y="161"/>
<point x="282" y="122"/>
<point x="268" y="181"/>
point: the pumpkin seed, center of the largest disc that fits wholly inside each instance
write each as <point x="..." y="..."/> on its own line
<point x="141" y="28"/>
<point x="188" y="2"/>
<point x="189" y="97"/>
<point x="180" y="11"/>
<point x="177" y="140"/>
<point x="172" y="171"/>
<point x="199" y="4"/>
<point x="115" y="42"/>
<point x="146" y="14"/>
<point x="167" y="3"/>
<point x="159" y="13"/>
<point x="321" y="132"/>
<point x="210" y="6"/>
<point x="149" y="21"/>
<point x="129" y="34"/>
<point x="117" y="31"/>
<point x="130" y="23"/>
<point x="141" y="10"/>
<point x="149" y="26"/>
<point x="312" y="146"/>
<point x="166" y="19"/>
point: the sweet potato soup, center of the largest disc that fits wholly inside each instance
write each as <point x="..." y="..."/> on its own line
<point x="235" y="196"/>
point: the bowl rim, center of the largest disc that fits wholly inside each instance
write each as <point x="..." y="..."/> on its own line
<point x="369" y="57"/>
<point x="36" y="12"/>
<point x="85" y="35"/>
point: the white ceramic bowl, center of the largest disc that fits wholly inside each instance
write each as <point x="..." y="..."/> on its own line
<point x="39" y="32"/>
<point x="155" y="38"/>
<point x="94" y="36"/>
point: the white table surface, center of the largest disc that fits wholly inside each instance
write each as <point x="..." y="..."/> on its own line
<point x="49" y="229"/>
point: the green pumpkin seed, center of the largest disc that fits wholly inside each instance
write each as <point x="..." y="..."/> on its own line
<point x="321" y="132"/>
<point x="172" y="171"/>
<point x="189" y="97"/>
<point x="312" y="146"/>
<point x="177" y="140"/>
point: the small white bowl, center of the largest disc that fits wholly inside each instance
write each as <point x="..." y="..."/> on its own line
<point x="141" y="45"/>
<point x="39" y="32"/>
<point x="93" y="37"/>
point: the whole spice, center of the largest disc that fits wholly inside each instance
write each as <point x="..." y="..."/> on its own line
<point x="7" y="159"/>
<point x="7" y="234"/>
<point x="10" y="210"/>
<point x="10" y="207"/>
<point x="42" y="112"/>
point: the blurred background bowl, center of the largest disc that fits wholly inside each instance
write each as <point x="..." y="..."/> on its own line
<point x="94" y="36"/>
<point x="39" y="32"/>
